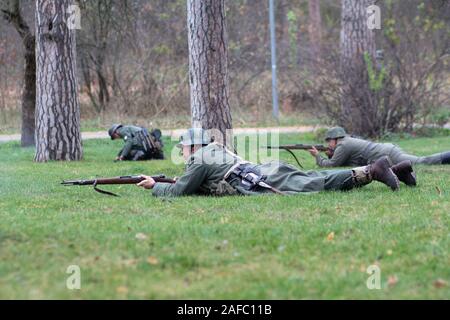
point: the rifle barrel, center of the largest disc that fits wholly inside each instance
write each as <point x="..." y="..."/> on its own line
<point x="117" y="180"/>
<point x="319" y="147"/>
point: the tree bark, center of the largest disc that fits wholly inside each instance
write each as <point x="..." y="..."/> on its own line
<point x="208" y="68"/>
<point x="13" y="15"/>
<point x="281" y="27"/>
<point x="315" y="28"/>
<point x="57" y="109"/>
<point x="358" y="101"/>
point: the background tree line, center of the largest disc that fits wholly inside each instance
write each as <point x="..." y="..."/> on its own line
<point x="133" y="59"/>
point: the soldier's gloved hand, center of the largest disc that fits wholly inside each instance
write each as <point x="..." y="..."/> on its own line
<point x="148" y="183"/>
<point x="314" y="152"/>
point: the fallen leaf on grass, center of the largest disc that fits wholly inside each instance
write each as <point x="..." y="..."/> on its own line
<point x="224" y="220"/>
<point x="122" y="290"/>
<point x="330" y="236"/>
<point x="129" y="262"/>
<point x="152" y="260"/>
<point x="392" y="281"/>
<point x="440" y="283"/>
<point x="141" y="236"/>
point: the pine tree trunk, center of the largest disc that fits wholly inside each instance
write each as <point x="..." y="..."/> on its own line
<point x="13" y="14"/>
<point x="281" y="27"/>
<point x="57" y="108"/>
<point x="359" y="104"/>
<point x="315" y="28"/>
<point x="208" y="68"/>
<point x="29" y="93"/>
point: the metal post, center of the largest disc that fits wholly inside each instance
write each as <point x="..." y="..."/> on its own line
<point x="274" y="59"/>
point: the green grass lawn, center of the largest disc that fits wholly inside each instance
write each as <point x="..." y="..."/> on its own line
<point x="268" y="247"/>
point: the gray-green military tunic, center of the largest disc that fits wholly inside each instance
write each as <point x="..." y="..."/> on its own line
<point x="132" y="142"/>
<point x="351" y="151"/>
<point x="206" y="169"/>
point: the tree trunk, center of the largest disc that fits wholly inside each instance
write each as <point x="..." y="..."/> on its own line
<point x="29" y="93"/>
<point x="358" y="101"/>
<point x="13" y="15"/>
<point x="57" y="109"/>
<point x="281" y="25"/>
<point x="208" y="68"/>
<point x="315" y="28"/>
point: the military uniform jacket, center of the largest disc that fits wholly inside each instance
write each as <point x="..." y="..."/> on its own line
<point x="208" y="166"/>
<point x="355" y="152"/>
<point x="132" y="142"/>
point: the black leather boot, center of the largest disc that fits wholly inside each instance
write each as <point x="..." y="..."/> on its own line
<point x="405" y="173"/>
<point x="380" y="171"/>
<point x="446" y="158"/>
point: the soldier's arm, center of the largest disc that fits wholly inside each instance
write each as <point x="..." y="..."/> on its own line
<point x="127" y="148"/>
<point x="187" y="184"/>
<point x="339" y="158"/>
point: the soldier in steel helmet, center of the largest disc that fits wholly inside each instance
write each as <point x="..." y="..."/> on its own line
<point x="351" y="151"/>
<point x="212" y="169"/>
<point x="140" y="144"/>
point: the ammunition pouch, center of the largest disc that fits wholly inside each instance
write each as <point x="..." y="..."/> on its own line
<point x="247" y="174"/>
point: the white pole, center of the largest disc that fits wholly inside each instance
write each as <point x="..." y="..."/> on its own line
<point x="274" y="59"/>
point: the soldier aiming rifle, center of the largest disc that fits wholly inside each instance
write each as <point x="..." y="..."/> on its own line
<point x="350" y="151"/>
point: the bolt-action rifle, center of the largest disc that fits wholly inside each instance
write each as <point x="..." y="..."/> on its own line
<point x="116" y="180"/>
<point x="301" y="146"/>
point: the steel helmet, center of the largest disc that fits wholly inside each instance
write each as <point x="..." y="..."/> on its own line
<point x="194" y="136"/>
<point x="114" y="129"/>
<point x="335" y="133"/>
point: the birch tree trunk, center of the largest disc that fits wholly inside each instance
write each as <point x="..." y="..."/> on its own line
<point x="359" y="104"/>
<point x="208" y="68"/>
<point x="57" y="107"/>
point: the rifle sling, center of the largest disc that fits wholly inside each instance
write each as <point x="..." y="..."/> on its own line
<point x="295" y="157"/>
<point x="103" y="191"/>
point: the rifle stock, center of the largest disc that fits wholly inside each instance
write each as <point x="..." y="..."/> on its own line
<point x="114" y="181"/>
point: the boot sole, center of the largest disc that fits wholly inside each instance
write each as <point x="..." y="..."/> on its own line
<point x="412" y="181"/>
<point x="397" y="181"/>
<point x="386" y="164"/>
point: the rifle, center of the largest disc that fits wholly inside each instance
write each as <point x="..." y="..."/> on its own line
<point x="300" y="146"/>
<point x="116" y="180"/>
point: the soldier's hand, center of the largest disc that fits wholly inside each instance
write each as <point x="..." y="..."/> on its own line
<point x="148" y="183"/>
<point x="314" y="152"/>
<point x="119" y="159"/>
